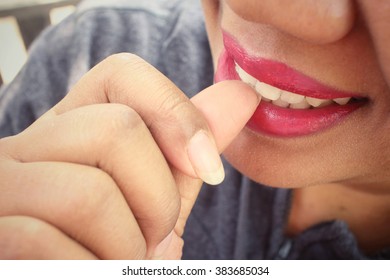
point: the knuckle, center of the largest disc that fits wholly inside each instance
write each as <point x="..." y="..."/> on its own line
<point x="122" y="59"/>
<point x="85" y="204"/>
<point x="119" y="66"/>
<point x="124" y="118"/>
<point x="115" y="125"/>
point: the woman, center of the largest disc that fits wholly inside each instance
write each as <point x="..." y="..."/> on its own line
<point x="109" y="172"/>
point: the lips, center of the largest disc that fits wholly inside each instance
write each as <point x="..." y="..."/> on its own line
<point x="293" y="104"/>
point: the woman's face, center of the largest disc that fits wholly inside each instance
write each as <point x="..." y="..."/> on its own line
<point x="323" y="70"/>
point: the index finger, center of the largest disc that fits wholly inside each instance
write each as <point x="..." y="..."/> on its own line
<point x="227" y="106"/>
<point x="170" y="116"/>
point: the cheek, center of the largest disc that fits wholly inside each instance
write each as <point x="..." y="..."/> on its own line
<point x="376" y="15"/>
<point x="317" y="21"/>
<point x="269" y="163"/>
<point x="212" y="15"/>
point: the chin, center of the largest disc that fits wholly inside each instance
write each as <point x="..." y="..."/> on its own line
<point x="262" y="161"/>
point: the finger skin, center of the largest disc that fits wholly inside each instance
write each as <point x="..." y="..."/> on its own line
<point x="24" y="238"/>
<point x="172" y="120"/>
<point x="113" y="138"/>
<point x="227" y="107"/>
<point x="129" y="80"/>
<point x="81" y="201"/>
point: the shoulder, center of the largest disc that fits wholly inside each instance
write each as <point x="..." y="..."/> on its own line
<point x="115" y="22"/>
<point x="156" y="7"/>
<point x="152" y="29"/>
<point x="160" y="31"/>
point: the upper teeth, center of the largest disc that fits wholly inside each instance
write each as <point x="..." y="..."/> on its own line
<point x="283" y="98"/>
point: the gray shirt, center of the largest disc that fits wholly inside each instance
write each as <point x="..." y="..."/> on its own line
<point x="239" y="219"/>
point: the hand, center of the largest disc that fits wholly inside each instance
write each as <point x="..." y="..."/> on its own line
<point x="111" y="171"/>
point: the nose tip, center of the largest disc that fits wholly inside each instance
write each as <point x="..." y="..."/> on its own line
<point x="315" y="21"/>
<point x="330" y="22"/>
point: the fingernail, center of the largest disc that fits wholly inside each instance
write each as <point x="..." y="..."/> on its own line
<point x="163" y="246"/>
<point x="205" y="159"/>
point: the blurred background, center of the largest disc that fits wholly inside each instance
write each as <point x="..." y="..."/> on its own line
<point x="20" y="22"/>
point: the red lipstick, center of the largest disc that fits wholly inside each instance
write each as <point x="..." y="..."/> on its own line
<point x="274" y="120"/>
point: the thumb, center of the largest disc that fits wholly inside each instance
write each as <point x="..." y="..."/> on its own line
<point x="227" y="107"/>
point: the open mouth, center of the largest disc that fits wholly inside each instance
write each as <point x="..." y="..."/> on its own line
<point x="287" y="99"/>
<point x="292" y="104"/>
